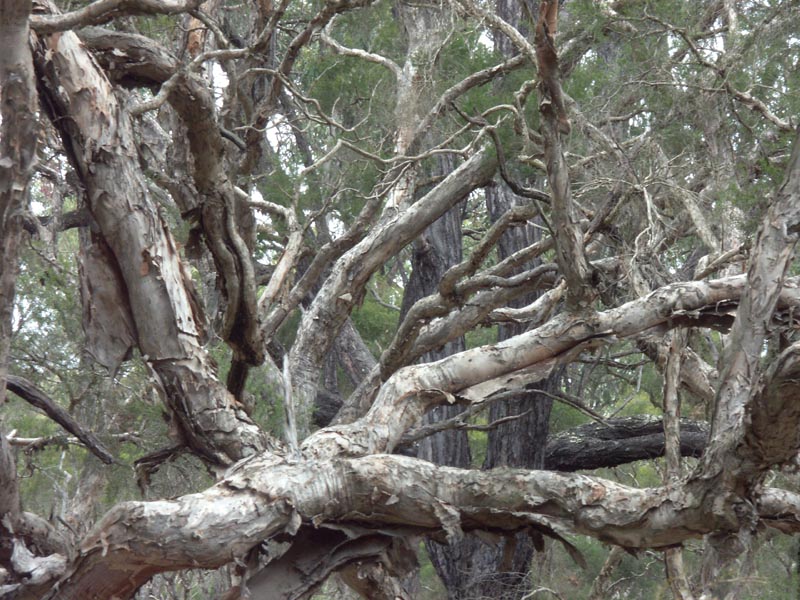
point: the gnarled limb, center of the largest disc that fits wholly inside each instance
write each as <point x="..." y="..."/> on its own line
<point x="221" y="215"/>
<point x="266" y="497"/>
<point x="411" y="391"/>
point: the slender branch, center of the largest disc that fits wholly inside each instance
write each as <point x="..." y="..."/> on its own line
<point x="36" y="397"/>
<point x="567" y="231"/>
<point x="673" y="557"/>
<point x="362" y="54"/>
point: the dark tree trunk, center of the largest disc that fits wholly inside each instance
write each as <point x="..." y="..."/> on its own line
<point x="470" y="568"/>
<point x="438" y="249"/>
<point x="502" y="571"/>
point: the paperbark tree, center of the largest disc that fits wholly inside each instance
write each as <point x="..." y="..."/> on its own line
<point x="358" y="145"/>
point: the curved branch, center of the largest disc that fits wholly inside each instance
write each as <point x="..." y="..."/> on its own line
<point x="103" y="11"/>
<point x="413" y="390"/>
<point x="36" y="397"/>
<point x="341" y="291"/>
<point x="266" y="496"/>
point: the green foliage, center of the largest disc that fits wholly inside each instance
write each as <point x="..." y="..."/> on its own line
<point x="376" y="324"/>
<point x="478" y="443"/>
<point x="563" y="417"/>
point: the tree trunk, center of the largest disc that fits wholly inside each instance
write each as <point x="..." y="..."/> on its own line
<point x="502" y="571"/>
<point x="438" y="249"/>
<point x="471" y="568"/>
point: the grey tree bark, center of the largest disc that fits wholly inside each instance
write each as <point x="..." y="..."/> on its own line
<point x="341" y="498"/>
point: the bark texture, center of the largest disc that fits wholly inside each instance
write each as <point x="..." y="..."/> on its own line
<point x="608" y="266"/>
<point x="165" y="311"/>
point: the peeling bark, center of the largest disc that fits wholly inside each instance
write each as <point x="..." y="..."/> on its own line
<point x="100" y="144"/>
<point x="342" y="501"/>
<point x="265" y="497"/>
<point x="568" y="235"/>
<point x="414" y="387"/>
<point x="223" y="219"/>
<point x="107" y="321"/>
<point x="744" y="439"/>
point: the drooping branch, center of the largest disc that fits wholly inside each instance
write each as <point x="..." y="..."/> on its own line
<point x="36" y="397"/>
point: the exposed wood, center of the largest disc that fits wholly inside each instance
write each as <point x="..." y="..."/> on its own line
<point x="357" y="185"/>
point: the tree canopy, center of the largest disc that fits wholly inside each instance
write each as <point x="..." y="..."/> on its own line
<point x="297" y="295"/>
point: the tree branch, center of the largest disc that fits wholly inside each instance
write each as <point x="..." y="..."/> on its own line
<point x="265" y="497"/>
<point x="103" y="11"/>
<point x="36" y="397"/>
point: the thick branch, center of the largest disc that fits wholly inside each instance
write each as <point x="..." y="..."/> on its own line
<point x="265" y="496"/>
<point x="413" y="390"/>
<point x="103" y="11"/>
<point x="135" y="59"/>
<point x="341" y="291"/>
<point x="744" y="440"/>
<point x="619" y="441"/>
<point x="99" y="142"/>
